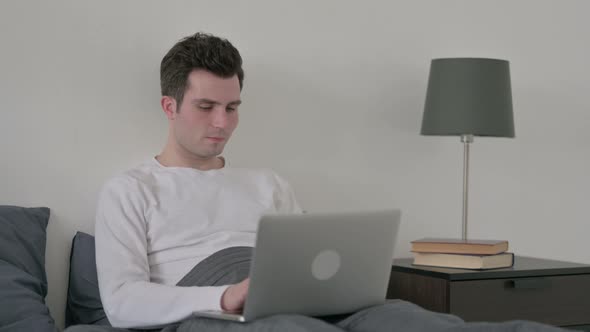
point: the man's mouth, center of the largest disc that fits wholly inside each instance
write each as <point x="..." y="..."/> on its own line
<point x="215" y="138"/>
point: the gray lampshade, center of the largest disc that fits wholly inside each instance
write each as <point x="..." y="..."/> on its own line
<point x="468" y="96"/>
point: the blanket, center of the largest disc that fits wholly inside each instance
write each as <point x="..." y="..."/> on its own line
<point x="231" y="265"/>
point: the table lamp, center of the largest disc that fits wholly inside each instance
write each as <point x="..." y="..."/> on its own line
<point x="468" y="97"/>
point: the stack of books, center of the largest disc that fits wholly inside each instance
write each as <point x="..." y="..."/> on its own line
<point x="462" y="254"/>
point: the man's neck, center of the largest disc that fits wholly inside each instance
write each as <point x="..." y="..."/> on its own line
<point x="168" y="159"/>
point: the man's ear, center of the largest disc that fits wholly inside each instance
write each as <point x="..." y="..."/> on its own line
<point x="169" y="107"/>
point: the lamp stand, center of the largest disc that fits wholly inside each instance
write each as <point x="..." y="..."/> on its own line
<point x="466" y="139"/>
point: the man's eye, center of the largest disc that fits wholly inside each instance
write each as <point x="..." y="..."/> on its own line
<point x="206" y="107"/>
<point x="231" y="109"/>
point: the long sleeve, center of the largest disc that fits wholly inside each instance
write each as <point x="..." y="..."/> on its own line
<point x="129" y="298"/>
<point x="285" y="199"/>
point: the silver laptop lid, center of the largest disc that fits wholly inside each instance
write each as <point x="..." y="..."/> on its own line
<point x="321" y="263"/>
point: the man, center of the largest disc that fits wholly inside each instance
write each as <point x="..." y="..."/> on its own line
<point x="159" y="222"/>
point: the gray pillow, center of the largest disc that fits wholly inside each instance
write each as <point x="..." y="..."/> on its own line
<point x="83" y="302"/>
<point x="23" y="281"/>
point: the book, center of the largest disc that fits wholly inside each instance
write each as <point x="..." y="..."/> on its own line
<point x="477" y="262"/>
<point x="458" y="246"/>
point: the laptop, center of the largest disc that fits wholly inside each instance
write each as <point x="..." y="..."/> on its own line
<point x="318" y="264"/>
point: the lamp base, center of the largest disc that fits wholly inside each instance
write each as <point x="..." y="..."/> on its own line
<point x="466" y="139"/>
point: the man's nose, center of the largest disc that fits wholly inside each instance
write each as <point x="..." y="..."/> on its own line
<point x="219" y="118"/>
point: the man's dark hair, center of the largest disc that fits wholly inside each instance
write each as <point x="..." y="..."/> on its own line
<point x="199" y="51"/>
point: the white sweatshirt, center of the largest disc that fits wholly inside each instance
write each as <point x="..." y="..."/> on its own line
<point x="155" y="223"/>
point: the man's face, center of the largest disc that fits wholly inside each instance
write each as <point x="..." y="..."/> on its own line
<point x="208" y="114"/>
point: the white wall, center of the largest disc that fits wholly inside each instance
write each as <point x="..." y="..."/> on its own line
<point x="333" y="101"/>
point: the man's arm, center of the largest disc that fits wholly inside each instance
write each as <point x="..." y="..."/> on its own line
<point x="129" y="298"/>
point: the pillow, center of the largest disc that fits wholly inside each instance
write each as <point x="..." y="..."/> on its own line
<point x="23" y="281"/>
<point x="83" y="303"/>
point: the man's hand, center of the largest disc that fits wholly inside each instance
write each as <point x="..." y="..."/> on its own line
<point x="235" y="295"/>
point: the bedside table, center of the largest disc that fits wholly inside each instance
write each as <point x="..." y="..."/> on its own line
<point x="547" y="291"/>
